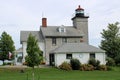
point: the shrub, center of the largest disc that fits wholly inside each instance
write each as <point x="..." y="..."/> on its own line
<point x="65" y="66"/>
<point x="109" y="68"/>
<point x="86" y="67"/>
<point x="110" y="62"/>
<point x="94" y="62"/>
<point x="102" y="67"/>
<point x="42" y="63"/>
<point x="24" y="63"/>
<point x="9" y="63"/>
<point x="117" y="60"/>
<point x="75" y="64"/>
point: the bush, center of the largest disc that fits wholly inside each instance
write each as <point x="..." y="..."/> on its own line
<point x="94" y="62"/>
<point x="102" y="67"/>
<point x="109" y="68"/>
<point x="117" y="60"/>
<point x="75" y="64"/>
<point x="24" y="63"/>
<point x="65" y="66"/>
<point x="86" y="67"/>
<point x="42" y="63"/>
<point x="110" y="62"/>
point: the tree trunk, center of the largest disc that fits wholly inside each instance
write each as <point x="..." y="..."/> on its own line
<point x="33" y="74"/>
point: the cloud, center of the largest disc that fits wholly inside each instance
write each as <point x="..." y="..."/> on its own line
<point x="26" y="15"/>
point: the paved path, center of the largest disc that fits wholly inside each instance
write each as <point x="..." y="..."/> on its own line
<point x="22" y="66"/>
<point x="8" y="66"/>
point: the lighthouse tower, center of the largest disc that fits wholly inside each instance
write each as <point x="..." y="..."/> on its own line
<point x="80" y="22"/>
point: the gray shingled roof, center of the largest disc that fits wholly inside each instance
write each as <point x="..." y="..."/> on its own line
<point x="76" y="47"/>
<point x="51" y="31"/>
<point x="25" y="34"/>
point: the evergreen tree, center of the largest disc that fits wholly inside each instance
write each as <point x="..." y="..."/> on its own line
<point x="34" y="53"/>
<point x="111" y="40"/>
<point x="7" y="47"/>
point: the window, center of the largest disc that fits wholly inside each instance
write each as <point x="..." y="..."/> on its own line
<point x="63" y="30"/>
<point x="92" y="55"/>
<point x="64" y="40"/>
<point x="68" y="56"/>
<point x="53" y="41"/>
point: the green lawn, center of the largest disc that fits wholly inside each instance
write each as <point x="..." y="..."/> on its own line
<point x="56" y="74"/>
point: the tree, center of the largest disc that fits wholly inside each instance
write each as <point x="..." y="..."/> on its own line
<point x="7" y="47"/>
<point x="34" y="53"/>
<point x="111" y="40"/>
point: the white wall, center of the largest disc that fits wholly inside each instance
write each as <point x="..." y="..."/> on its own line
<point x="60" y="58"/>
<point x="42" y="47"/>
<point x="101" y="57"/>
<point x="83" y="58"/>
<point x="24" y="44"/>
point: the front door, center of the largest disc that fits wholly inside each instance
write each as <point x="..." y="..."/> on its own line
<point x="52" y="59"/>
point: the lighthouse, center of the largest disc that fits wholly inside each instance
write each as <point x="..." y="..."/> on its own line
<point x="80" y="22"/>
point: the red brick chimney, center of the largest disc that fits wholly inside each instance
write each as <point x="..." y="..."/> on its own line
<point x="44" y="22"/>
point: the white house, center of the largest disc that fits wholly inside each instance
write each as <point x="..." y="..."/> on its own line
<point x="80" y="51"/>
<point x="62" y="43"/>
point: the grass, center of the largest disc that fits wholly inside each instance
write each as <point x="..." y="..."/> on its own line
<point x="56" y="74"/>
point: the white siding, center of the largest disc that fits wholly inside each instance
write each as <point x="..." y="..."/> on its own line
<point x="41" y="46"/>
<point x="24" y="50"/>
<point x="82" y="57"/>
<point x="101" y="57"/>
<point x="59" y="58"/>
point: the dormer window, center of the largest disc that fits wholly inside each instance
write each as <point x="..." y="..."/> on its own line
<point x="62" y="29"/>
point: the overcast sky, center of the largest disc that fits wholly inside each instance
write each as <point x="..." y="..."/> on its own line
<point x="17" y="15"/>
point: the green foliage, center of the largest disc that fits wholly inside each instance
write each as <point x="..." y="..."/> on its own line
<point x="109" y="68"/>
<point x="102" y="67"/>
<point x="115" y="68"/>
<point x="75" y="64"/>
<point x="111" y="40"/>
<point x="6" y="46"/>
<point x="94" y="62"/>
<point x="34" y="53"/>
<point x="65" y="66"/>
<point x="117" y="60"/>
<point x="110" y="62"/>
<point x="86" y="67"/>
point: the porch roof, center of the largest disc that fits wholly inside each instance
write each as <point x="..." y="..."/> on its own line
<point x="77" y="48"/>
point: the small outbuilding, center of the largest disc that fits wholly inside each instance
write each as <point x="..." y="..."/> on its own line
<point x="81" y="51"/>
